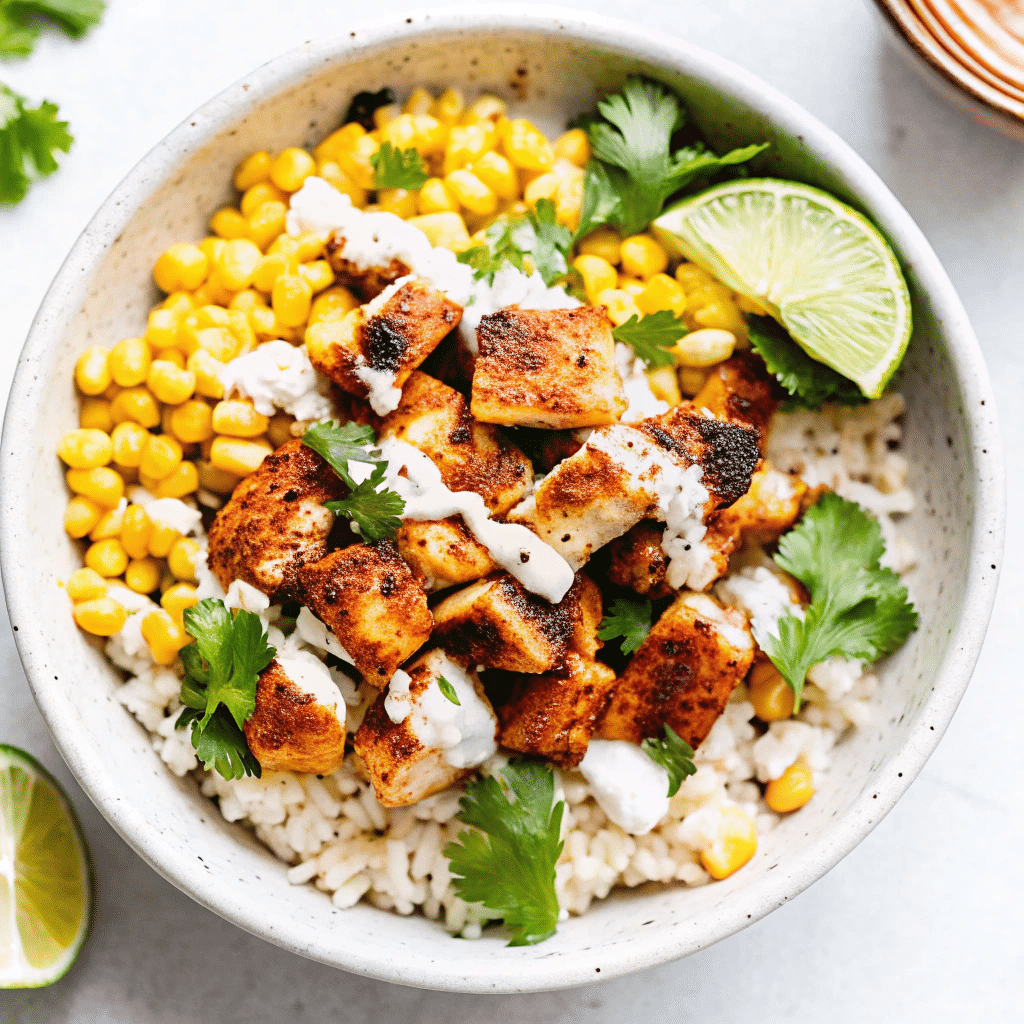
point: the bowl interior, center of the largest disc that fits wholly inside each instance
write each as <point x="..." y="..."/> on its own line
<point x="550" y="66"/>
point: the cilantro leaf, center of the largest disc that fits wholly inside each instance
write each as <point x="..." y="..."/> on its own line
<point x="652" y="337"/>
<point x="674" y="754"/>
<point x="858" y="608"/>
<point x="398" y="168"/>
<point x="629" y="619"/>
<point x="340" y="445"/>
<point x="76" y="17"/>
<point x="448" y="690"/>
<point x="551" y="245"/>
<point x="809" y="383"/>
<point x="16" y="38"/>
<point x="28" y="138"/>
<point x="376" y="513"/>
<point x="501" y="248"/>
<point x="600" y="203"/>
<point x="220" y="745"/>
<point x="509" y="865"/>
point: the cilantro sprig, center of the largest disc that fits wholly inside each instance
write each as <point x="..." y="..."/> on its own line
<point x="448" y="690"/>
<point x="630" y="620"/>
<point x="535" y="242"/>
<point x="29" y="136"/>
<point x="858" y="608"/>
<point x="222" y="669"/>
<point x="652" y="336"/>
<point x="509" y="864"/>
<point x="809" y="383"/>
<point x="635" y="168"/>
<point x="376" y="513"/>
<point x="674" y="754"/>
<point x="398" y="168"/>
<point x="19" y="21"/>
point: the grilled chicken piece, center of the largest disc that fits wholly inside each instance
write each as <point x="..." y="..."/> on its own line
<point x="550" y="368"/>
<point x="370" y="600"/>
<point x="683" y="673"/>
<point x="382" y="342"/>
<point x="471" y="456"/>
<point x="443" y="553"/>
<point x="553" y="715"/>
<point x="299" y="721"/>
<point x="366" y="282"/>
<point x="621" y="474"/>
<point x="638" y="562"/>
<point x="275" y="523"/>
<point x="403" y="766"/>
<point x="498" y="623"/>
<point x="740" y="390"/>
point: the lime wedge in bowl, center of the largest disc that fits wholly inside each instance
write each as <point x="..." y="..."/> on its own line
<point x="45" y="880"/>
<point x="816" y="265"/>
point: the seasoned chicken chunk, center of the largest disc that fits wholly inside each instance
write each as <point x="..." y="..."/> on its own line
<point x="498" y="623"/>
<point x="627" y="473"/>
<point x="550" y="368"/>
<point x="683" y="673"/>
<point x="415" y="741"/>
<point x="275" y="522"/>
<point x="370" y="600"/>
<point x="471" y="456"/>
<point x="443" y="553"/>
<point x="366" y="282"/>
<point x="553" y="715"/>
<point x="638" y="562"/>
<point x="299" y="721"/>
<point x="375" y="347"/>
<point x="740" y="390"/>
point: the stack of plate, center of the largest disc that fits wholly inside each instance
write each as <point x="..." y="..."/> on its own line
<point x="972" y="50"/>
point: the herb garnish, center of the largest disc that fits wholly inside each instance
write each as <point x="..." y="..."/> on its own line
<point x="29" y="136"/>
<point x="509" y="865"/>
<point x="858" y="608"/>
<point x="398" y="168"/>
<point x="674" y="755"/>
<point x="628" y="619"/>
<point x="19" y="32"/>
<point x="652" y="336"/>
<point x="448" y="690"/>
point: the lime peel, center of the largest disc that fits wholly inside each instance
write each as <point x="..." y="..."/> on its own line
<point x="816" y="265"/>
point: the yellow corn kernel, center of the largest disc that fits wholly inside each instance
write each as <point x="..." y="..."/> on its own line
<point x="237" y="456"/>
<point x="161" y="539"/>
<point x="569" y="202"/>
<point x="487" y="107"/>
<point x="471" y="192"/>
<point x="700" y="349"/>
<point x="597" y="273"/>
<point x="81" y="516"/>
<point x="129" y="362"/>
<point x="279" y="429"/>
<point x="691" y="277"/>
<point x="109" y="525"/>
<point x="184" y="480"/>
<point x="770" y="694"/>
<point x="174" y="356"/>
<point x="160" y="457"/>
<point x="182" y="267"/>
<point x="291" y="299"/>
<point x="211" y="247"/>
<point x="246" y="300"/>
<point x="332" y="173"/>
<point x="136" y="527"/>
<point x="722" y="315"/>
<point x="498" y="174"/>
<point x="256" y="195"/>
<point x="448" y="107"/>
<point x="85" y="448"/>
<point x="192" y="421"/>
<point x="181" y="559"/>
<point x="85" y="585"/>
<point x="178" y="302"/>
<point x="102" y="485"/>
<point x="269" y="269"/>
<point x="291" y="168"/>
<point x="436" y="197"/>
<point x="252" y="170"/>
<point x="664" y="384"/>
<point x="399" y="130"/>
<point x="169" y="383"/>
<point x="339" y="141"/>
<point x="419" y="102"/>
<point x="526" y="146"/>
<point x="164" y="636"/>
<point x="692" y="380"/>
<point x="620" y="304"/>
<point x="229" y="223"/>
<point x="573" y="145"/>
<point x="266" y="223"/>
<point x="633" y="285"/>
<point x="332" y="304"/>
<point x="217" y="480"/>
<point x="142" y="575"/>
<point x="128" y="441"/>
<point x="102" y="616"/>
<point x="604" y="242"/>
<point x="662" y="292"/>
<point x="317" y="274"/>
<point x="176" y="599"/>
<point x="241" y="330"/>
<point x="708" y="294"/>
<point x="466" y="143"/>
<point x="136" y="404"/>
<point x="748" y="305"/>
<point x="544" y="186"/>
<point x="108" y="557"/>
<point x="310" y="246"/>
<point x="92" y="370"/>
<point x="162" y="328"/>
<point x="112" y="391"/>
<point x="643" y="257"/>
<point x="357" y="161"/>
<point x="206" y="370"/>
<point x="238" y="419"/>
<point x="735" y="844"/>
<point x="94" y="414"/>
<point x="446" y="230"/>
<point x="792" y="789"/>
<point x="400" y="201"/>
<point x="238" y="262"/>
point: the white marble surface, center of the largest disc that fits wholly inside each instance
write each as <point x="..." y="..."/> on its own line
<point x="922" y="922"/>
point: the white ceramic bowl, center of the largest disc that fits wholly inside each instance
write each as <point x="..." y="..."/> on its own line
<point x="552" y="60"/>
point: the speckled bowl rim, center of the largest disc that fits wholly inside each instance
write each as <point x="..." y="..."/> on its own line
<point x="801" y="870"/>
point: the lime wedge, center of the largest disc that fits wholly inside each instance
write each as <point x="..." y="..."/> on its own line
<point x="45" y="886"/>
<point x="817" y="266"/>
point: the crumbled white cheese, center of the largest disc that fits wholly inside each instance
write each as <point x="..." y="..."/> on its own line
<point x="762" y="596"/>
<point x="317" y="635"/>
<point x="642" y="402"/>
<point x="246" y="597"/>
<point x="172" y="512"/>
<point x="628" y="786"/>
<point x="312" y="676"/>
<point x="278" y="376"/>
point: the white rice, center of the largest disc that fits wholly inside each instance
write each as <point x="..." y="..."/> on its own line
<point x="335" y="835"/>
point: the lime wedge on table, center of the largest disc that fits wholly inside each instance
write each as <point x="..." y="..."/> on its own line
<point x="45" y="891"/>
<point x="818" y="267"/>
